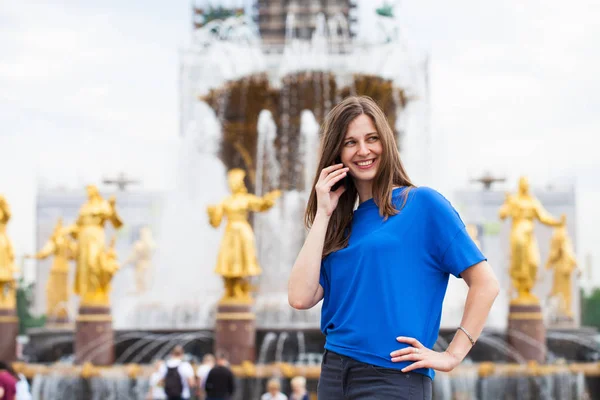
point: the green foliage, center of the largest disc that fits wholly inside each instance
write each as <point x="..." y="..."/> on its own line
<point x="590" y="308"/>
<point x="26" y="320"/>
<point x="216" y="13"/>
<point x="386" y="9"/>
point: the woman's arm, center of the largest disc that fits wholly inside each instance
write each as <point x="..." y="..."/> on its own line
<point x="304" y="290"/>
<point x="483" y="289"/>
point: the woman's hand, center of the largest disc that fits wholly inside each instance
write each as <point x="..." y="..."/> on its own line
<point x="327" y="200"/>
<point x="423" y="357"/>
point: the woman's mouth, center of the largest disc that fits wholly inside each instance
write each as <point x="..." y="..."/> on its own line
<point x="366" y="164"/>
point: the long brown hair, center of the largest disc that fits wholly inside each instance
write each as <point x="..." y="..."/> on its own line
<point x="390" y="172"/>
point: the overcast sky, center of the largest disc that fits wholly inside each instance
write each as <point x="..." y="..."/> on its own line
<point x="89" y="88"/>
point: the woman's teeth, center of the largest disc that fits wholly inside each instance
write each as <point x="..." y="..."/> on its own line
<point x="365" y="163"/>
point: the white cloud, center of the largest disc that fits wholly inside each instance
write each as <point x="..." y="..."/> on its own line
<point x="111" y="69"/>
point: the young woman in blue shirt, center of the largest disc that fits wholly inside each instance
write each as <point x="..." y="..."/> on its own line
<point x="382" y="268"/>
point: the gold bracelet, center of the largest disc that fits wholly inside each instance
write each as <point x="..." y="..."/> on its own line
<point x="468" y="335"/>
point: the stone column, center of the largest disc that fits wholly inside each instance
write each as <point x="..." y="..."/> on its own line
<point x="9" y="329"/>
<point x="526" y="331"/>
<point x="235" y="332"/>
<point x="94" y="337"/>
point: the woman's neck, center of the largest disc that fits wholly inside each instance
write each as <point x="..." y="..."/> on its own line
<point x="364" y="189"/>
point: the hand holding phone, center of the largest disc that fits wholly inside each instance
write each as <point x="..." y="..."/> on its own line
<point x="330" y="187"/>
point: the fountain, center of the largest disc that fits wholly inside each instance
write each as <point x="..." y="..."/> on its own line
<point x="263" y="115"/>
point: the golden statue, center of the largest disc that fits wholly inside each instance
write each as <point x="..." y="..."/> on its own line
<point x="237" y="261"/>
<point x="524" y="209"/>
<point x="96" y="264"/>
<point x="141" y="258"/>
<point x="57" y="289"/>
<point x="562" y="259"/>
<point x="7" y="260"/>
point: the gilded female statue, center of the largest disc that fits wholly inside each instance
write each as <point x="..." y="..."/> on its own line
<point x="7" y="260"/>
<point x="524" y="209"/>
<point x="57" y="290"/>
<point x="562" y="259"/>
<point x="237" y="260"/>
<point x="95" y="263"/>
<point x="141" y="258"/>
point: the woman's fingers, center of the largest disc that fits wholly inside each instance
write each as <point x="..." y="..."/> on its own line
<point x="326" y="171"/>
<point x="415" y="365"/>
<point x="408" y="357"/>
<point x="401" y="352"/>
<point x="415" y="352"/>
<point x="411" y="341"/>
<point x="335" y="176"/>
<point x="331" y="179"/>
<point x="407" y="354"/>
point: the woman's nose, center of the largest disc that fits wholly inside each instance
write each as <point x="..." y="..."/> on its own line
<point x="363" y="149"/>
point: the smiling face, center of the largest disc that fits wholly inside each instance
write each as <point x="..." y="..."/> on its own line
<point x="362" y="149"/>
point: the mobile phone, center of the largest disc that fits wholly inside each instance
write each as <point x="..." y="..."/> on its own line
<point x="343" y="181"/>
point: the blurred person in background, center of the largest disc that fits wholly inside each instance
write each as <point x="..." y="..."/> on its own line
<point x="220" y="382"/>
<point x="23" y="392"/>
<point x="208" y="362"/>
<point x="298" y="384"/>
<point x="156" y="391"/>
<point x="273" y="391"/>
<point x="8" y="382"/>
<point x="177" y="376"/>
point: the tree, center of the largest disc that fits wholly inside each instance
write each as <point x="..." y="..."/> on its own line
<point x="590" y="308"/>
<point x="26" y="319"/>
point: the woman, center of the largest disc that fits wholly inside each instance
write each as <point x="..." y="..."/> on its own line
<point x="156" y="391"/>
<point x="382" y="269"/>
<point x="298" y="384"/>
<point x="8" y="382"/>
<point x="273" y="391"/>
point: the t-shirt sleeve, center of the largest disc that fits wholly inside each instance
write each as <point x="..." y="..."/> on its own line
<point x="323" y="281"/>
<point x="452" y="247"/>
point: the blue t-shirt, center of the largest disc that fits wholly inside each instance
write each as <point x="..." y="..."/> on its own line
<point x="391" y="279"/>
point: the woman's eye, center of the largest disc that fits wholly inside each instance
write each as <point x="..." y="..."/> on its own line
<point x="349" y="143"/>
<point x="373" y="139"/>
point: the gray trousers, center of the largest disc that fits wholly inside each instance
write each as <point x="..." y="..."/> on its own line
<point x="343" y="378"/>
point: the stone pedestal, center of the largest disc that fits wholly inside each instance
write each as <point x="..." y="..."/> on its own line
<point x="526" y="331"/>
<point x="235" y="332"/>
<point x="94" y="337"/>
<point x="9" y="330"/>
<point x="58" y="322"/>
